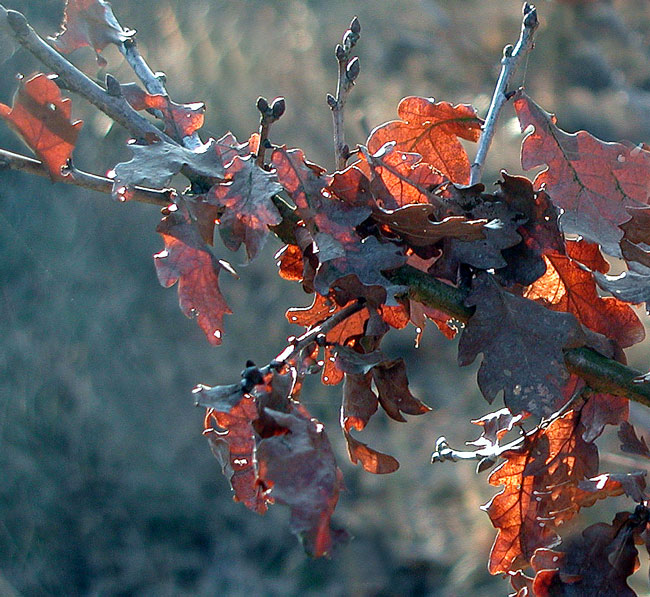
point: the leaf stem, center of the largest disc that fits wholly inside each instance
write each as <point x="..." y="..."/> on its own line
<point x="15" y="161"/>
<point x="512" y="57"/>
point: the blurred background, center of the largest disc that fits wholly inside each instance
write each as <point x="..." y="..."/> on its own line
<point x="106" y="485"/>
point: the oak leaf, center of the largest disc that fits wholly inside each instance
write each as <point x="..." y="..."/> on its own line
<point x="431" y="129"/>
<point x="188" y="261"/>
<point x="631" y="442"/>
<point x="592" y="181"/>
<point x="42" y="118"/>
<point x="90" y="23"/>
<point x="246" y="196"/>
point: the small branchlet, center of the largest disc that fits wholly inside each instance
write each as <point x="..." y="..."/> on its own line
<point x="268" y="115"/>
<point x="348" y="72"/>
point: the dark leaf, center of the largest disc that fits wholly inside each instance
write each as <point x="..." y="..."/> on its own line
<point x="632" y="286"/>
<point x="359" y="401"/>
<point x="90" y="23"/>
<point x="249" y="210"/>
<point x="394" y="394"/>
<point x="631" y="442"/>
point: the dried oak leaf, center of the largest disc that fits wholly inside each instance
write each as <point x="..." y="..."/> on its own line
<point x="247" y="196"/>
<point x="231" y="434"/>
<point x="417" y="225"/>
<point x="635" y="244"/>
<point x="394" y="394"/>
<point x="299" y="470"/>
<point x="534" y="477"/>
<point x="42" y="118"/>
<point x="371" y="460"/>
<point x="188" y="261"/>
<point x="522" y="345"/>
<point x="359" y="403"/>
<point x="631" y="442"/>
<point x="303" y="181"/>
<point x="598" y="562"/>
<point x="632" y="286"/>
<point x="432" y="129"/>
<point x="398" y="178"/>
<point x="90" y="23"/>
<point x="154" y="165"/>
<point x="566" y="286"/>
<point x="592" y="181"/>
<point x="181" y="120"/>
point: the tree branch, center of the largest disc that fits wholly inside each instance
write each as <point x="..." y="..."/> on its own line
<point x="15" y="161"/>
<point x="115" y="107"/>
<point x="512" y="57"/>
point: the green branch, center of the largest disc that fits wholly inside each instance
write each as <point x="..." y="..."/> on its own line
<point x="602" y="374"/>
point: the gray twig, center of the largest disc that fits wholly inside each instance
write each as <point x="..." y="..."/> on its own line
<point x="348" y="72"/>
<point x="268" y="115"/>
<point x="15" y="161"/>
<point x="512" y="57"/>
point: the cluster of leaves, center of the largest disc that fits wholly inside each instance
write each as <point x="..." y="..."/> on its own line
<point x="403" y="204"/>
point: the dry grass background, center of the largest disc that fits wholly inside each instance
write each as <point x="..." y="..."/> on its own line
<point x="106" y="486"/>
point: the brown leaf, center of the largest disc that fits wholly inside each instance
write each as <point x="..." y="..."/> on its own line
<point x="302" y="180"/>
<point x="596" y="563"/>
<point x="359" y="401"/>
<point x="535" y="480"/>
<point x="504" y="328"/>
<point x="299" y="470"/>
<point x="290" y="263"/>
<point x="42" y="118"/>
<point x="635" y="244"/>
<point x="181" y="120"/>
<point x="249" y="210"/>
<point x="371" y="460"/>
<point x="631" y="442"/>
<point x="432" y="130"/>
<point x="592" y="181"/>
<point x="416" y="224"/>
<point x="188" y="261"/>
<point x="566" y="286"/>
<point x="394" y="394"/>
<point x="89" y="23"/>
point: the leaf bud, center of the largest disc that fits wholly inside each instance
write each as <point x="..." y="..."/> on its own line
<point x="278" y="107"/>
<point x="161" y="76"/>
<point x="113" y="86"/>
<point x="331" y="101"/>
<point x="355" y="25"/>
<point x="340" y="53"/>
<point x="349" y="40"/>
<point x="352" y="71"/>
<point x="262" y="105"/>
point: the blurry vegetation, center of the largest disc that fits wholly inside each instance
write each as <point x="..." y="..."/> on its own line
<point x="106" y="486"/>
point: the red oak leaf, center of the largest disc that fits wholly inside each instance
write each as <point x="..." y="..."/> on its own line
<point x="432" y="129"/>
<point x="247" y="196"/>
<point x="42" y="118"/>
<point x="90" y="23"/>
<point x="566" y="286"/>
<point x="592" y="181"/>
<point x="631" y="442"/>
<point x="187" y="260"/>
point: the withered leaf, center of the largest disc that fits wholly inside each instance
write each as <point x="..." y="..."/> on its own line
<point x="504" y="328"/>
<point x="359" y="401"/>
<point x="249" y="210"/>
<point x="302" y="180"/>
<point x="181" y="120"/>
<point x="432" y="129"/>
<point x="632" y="286"/>
<point x="42" y="118"/>
<point x="596" y="563"/>
<point x="154" y="165"/>
<point x="90" y="23"/>
<point x="188" y="261"/>
<point x="535" y="497"/>
<point x="635" y="244"/>
<point x="299" y="470"/>
<point x="592" y="181"/>
<point x="631" y="442"/>
<point x="351" y="361"/>
<point x="394" y="394"/>
<point x="371" y="460"/>
<point x="417" y="225"/>
<point x="566" y="286"/>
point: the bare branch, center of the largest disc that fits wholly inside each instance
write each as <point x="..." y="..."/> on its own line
<point x="511" y="60"/>
<point x="268" y="115"/>
<point x="15" y="161"/>
<point x="348" y="72"/>
<point x="114" y="106"/>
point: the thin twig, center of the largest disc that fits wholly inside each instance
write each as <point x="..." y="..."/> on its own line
<point x="512" y="57"/>
<point x="348" y="71"/>
<point x="15" y="161"/>
<point x="116" y="107"/>
<point x="268" y="115"/>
